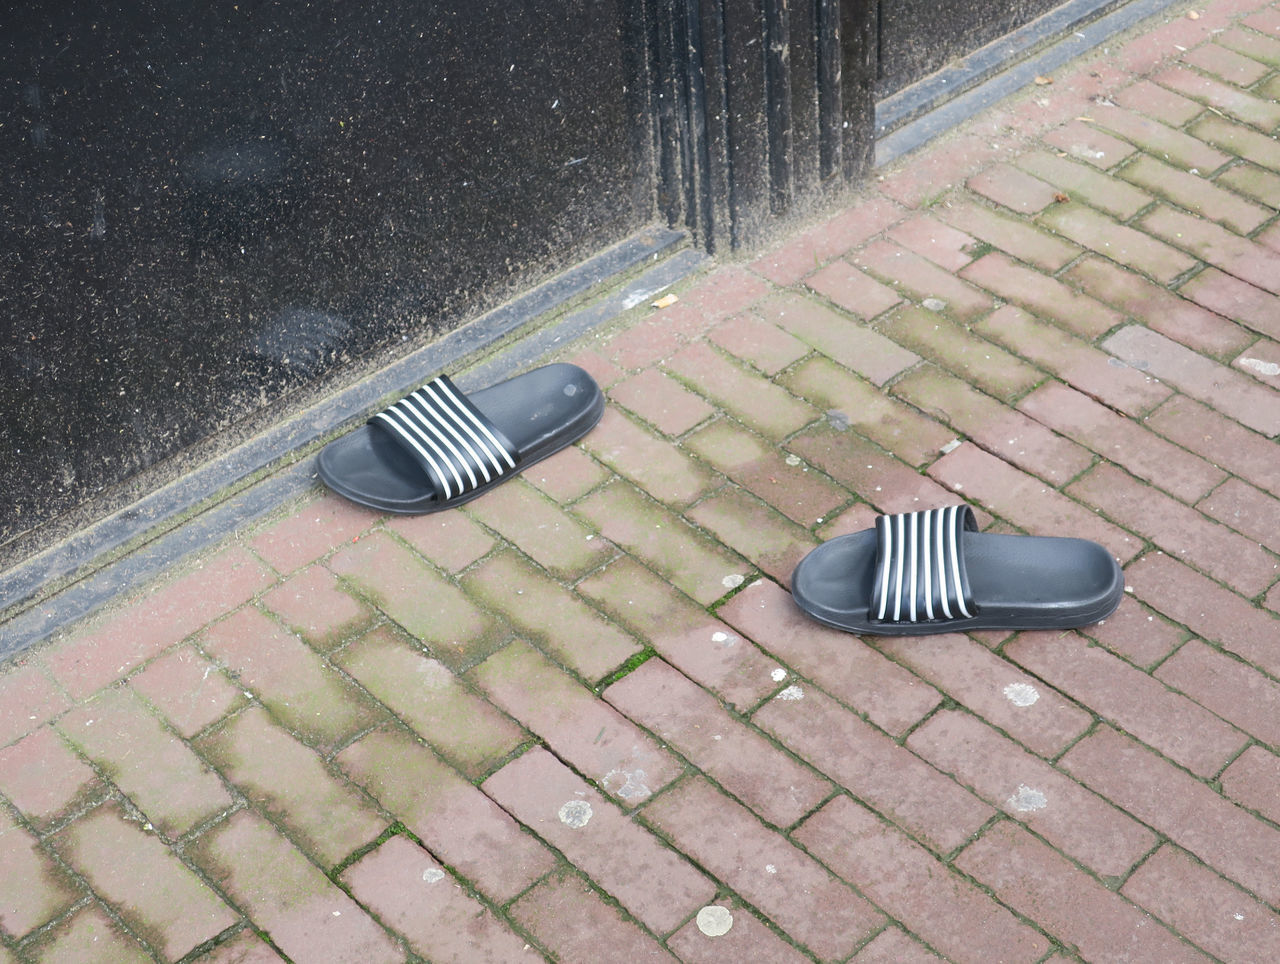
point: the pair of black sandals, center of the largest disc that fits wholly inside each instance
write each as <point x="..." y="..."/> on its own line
<point x="914" y="573"/>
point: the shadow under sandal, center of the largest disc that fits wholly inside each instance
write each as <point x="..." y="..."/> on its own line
<point x="437" y="448"/>
<point x="933" y="572"/>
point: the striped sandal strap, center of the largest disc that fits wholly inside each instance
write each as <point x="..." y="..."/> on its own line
<point x="920" y="572"/>
<point x="457" y="447"/>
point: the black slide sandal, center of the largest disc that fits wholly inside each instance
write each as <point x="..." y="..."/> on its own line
<point x="933" y="572"/>
<point x="437" y="448"/>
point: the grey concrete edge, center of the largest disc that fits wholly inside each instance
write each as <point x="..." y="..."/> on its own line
<point x="281" y="454"/>
<point x="1016" y="75"/>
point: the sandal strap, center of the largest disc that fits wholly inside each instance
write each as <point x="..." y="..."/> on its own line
<point x="456" y="445"/>
<point x="920" y="573"/>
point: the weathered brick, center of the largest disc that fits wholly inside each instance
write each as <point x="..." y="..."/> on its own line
<point x="88" y="937"/>
<point x="754" y="529"/>
<point x="870" y="410"/>
<point x="293" y="682"/>
<point x="683" y="633"/>
<point x="746" y="940"/>
<point x="245" y="947"/>
<point x="1003" y="431"/>
<point x="1253" y="781"/>
<point x="1010" y="235"/>
<point x="33" y="888"/>
<point x="1075" y="361"/>
<point x="1159" y="102"/>
<point x="1233" y="690"/>
<point x="662" y="401"/>
<point x="155" y="769"/>
<point x="1073" y="820"/>
<point x="1122" y="441"/>
<point x="923" y="280"/>
<point x="651" y="462"/>
<point x="1179" y="530"/>
<point x="1246" y="509"/>
<point x="463" y="728"/>
<point x="568" y="475"/>
<point x="764" y="406"/>
<point x="325" y="815"/>
<point x="312" y="604"/>
<point x="808" y="251"/>
<point x="764" y="868"/>
<point x="1122" y="244"/>
<point x="1176" y="804"/>
<point x="418" y="899"/>
<point x="654" y="883"/>
<point x="1083" y="183"/>
<point x="1204" y="908"/>
<point x="890" y="696"/>
<point x="311" y="532"/>
<point x="1208" y="610"/>
<point x="727" y="290"/>
<point x="111" y="647"/>
<point x="550" y="615"/>
<point x="893" y="946"/>
<point x="1025" y="501"/>
<point x="160" y="899"/>
<point x="1137" y="633"/>
<point x="1089" y="143"/>
<point x="188" y="690"/>
<point x="1223" y="442"/>
<point x="1253" y="182"/>
<point x="853" y="290"/>
<point x="455" y="821"/>
<point x="997" y="690"/>
<point x="452" y="540"/>
<point x="670" y="546"/>
<point x="1227" y="99"/>
<point x="940" y="243"/>
<point x="954" y="347"/>
<point x="43" y="778"/>
<point x="1168" y="721"/>
<point x="1237" y="256"/>
<point x="429" y="607"/>
<point x="1231" y="392"/>
<point x="1015" y="189"/>
<point x="1069" y="904"/>
<point x="575" y="924"/>
<point x="1256" y="46"/>
<point x="28" y="700"/>
<point x="1041" y="295"/>
<point x="646" y="342"/>
<point x="916" y="888"/>
<point x="596" y="739"/>
<point x="304" y="914"/>
<point x="882" y="480"/>
<point x="739" y="759"/>
<point x="1242" y="302"/>
<point x="544" y="531"/>
<point x="764" y="346"/>
<point x="1196" y="194"/>
<point x="1159" y="139"/>
<point x="844" y="341"/>
<point x="873" y="767"/>
<point x="788" y="485"/>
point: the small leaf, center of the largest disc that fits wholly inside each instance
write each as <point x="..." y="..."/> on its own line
<point x="1042" y="81"/>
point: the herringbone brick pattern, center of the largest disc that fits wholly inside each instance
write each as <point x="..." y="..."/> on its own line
<point x="580" y="719"/>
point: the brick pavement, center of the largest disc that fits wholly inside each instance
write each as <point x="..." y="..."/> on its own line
<point x="580" y="719"/>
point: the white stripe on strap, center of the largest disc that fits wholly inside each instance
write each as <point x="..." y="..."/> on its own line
<point x="919" y="566"/>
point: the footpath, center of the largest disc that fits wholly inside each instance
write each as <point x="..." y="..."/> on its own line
<point x="580" y="719"/>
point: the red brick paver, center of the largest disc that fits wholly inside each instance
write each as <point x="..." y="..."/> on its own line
<point x="582" y="719"/>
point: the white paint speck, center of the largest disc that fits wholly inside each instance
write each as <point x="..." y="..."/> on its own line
<point x="778" y="674"/>
<point x="791" y="693"/>
<point x="1027" y="800"/>
<point x="630" y="784"/>
<point x="733" y="581"/>
<point x="714" y="921"/>
<point x="934" y="304"/>
<point x="1021" y="694"/>
<point x="793" y="460"/>
<point x="432" y="875"/>
<point x="575" y="814"/>
<point x="770" y="869"/>
<point x="1238" y="916"/>
<point x="1260" y="366"/>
